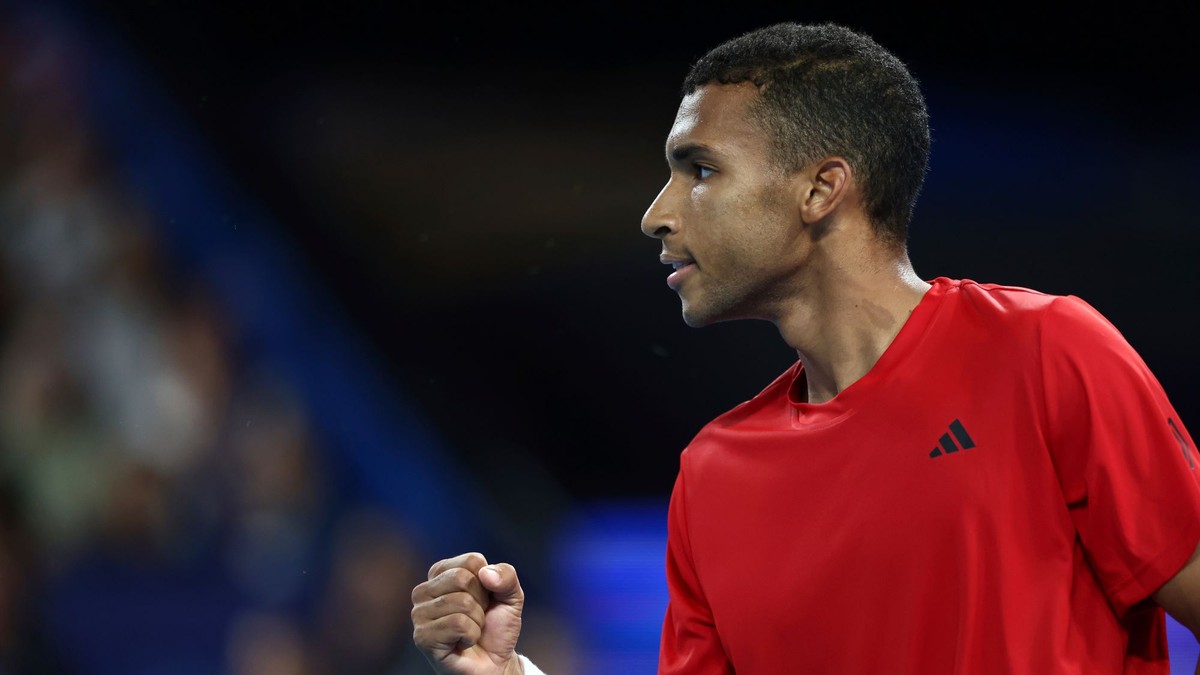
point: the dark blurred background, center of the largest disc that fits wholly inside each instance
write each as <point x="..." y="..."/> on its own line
<point x="467" y="181"/>
<point x="298" y="300"/>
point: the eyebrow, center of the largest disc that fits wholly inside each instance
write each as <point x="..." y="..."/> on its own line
<point x="684" y="152"/>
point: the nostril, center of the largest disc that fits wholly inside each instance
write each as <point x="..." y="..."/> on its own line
<point x="662" y="231"/>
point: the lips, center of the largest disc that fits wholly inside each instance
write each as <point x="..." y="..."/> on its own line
<point x="683" y="266"/>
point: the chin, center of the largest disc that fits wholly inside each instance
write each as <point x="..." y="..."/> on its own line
<point x="694" y="317"/>
<point x="698" y="315"/>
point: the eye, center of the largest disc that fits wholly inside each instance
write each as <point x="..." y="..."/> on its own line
<point x="703" y="172"/>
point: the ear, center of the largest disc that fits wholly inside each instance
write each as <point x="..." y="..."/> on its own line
<point x="827" y="186"/>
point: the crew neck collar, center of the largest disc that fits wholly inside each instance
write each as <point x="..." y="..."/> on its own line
<point x="853" y="398"/>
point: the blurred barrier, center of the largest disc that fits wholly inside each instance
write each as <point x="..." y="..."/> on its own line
<point x="609" y="574"/>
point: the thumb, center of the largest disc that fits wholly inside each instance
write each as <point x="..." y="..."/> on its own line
<point x="501" y="581"/>
<point x="502" y="617"/>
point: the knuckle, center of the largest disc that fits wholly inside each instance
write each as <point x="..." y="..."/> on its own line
<point x="468" y="603"/>
<point x="439" y="567"/>
<point x="461" y="624"/>
<point x="471" y="561"/>
<point x="462" y="577"/>
<point x="452" y="603"/>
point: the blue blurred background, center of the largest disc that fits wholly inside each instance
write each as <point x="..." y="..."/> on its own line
<point x="295" y="301"/>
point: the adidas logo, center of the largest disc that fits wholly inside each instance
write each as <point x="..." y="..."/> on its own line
<point x="947" y="443"/>
<point x="1182" y="443"/>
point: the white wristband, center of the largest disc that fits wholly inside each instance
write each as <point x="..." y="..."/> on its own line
<point x="528" y="666"/>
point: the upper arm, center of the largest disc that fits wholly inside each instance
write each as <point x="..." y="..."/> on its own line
<point x="690" y="642"/>
<point x="1180" y="596"/>
<point x="1125" y="461"/>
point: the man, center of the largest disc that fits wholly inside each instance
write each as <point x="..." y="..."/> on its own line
<point x="954" y="477"/>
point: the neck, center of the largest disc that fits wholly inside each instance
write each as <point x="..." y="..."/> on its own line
<point x="846" y="314"/>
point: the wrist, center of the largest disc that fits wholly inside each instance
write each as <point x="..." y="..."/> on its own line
<point x="523" y="667"/>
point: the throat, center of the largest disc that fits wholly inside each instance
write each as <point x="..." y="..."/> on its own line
<point x="840" y="344"/>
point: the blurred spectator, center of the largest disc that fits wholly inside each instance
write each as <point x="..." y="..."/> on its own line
<point x="165" y="504"/>
<point x="23" y="645"/>
<point x="139" y="451"/>
<point x="276" y="496"/>
<point x="364" y="626"/>
<point x="268" y="645"/>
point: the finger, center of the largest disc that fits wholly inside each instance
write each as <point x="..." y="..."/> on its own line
<point x="446" y="605"/>
<point x="446" y="634"/>
<point x="451" y="581"/>
<point x="471" y="561"/>
<point x="501" y="580"/>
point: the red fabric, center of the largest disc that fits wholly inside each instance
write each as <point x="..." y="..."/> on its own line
<point x="827" y="539"/>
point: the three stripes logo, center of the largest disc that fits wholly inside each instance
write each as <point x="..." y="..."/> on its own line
<point x="1187" y="452"/>
<point x="946" y="444"/>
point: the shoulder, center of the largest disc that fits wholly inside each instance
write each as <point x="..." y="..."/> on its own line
<point x="769" y="409"/>
<point x="1061" y="333"/>
<point x="1074" y="336"/>
<point x="997" y="300"/>
<point x="764" y="406"/>
<point x="1022" y="313"/>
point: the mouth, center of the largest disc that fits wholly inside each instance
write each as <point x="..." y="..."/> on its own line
<point x="683" y="268"/>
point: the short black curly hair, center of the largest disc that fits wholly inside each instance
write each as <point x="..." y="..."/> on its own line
<point x="827" y="90"/>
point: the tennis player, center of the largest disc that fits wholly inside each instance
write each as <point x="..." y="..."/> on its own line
<point x="954" y="477"/>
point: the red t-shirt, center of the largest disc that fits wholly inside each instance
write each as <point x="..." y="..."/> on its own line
<point x="999" y="494"/>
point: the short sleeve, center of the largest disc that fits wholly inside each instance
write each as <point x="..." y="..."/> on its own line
<point x="1127" y="466"/>
<point x="690" y="644"/>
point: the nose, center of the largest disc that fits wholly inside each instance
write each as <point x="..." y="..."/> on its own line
<point x="660" y="220"/>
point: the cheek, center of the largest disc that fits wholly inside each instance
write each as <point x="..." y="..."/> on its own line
<point x="737" y="225"/>
<point x="720" y="213"/>
<point x="702" y="200"/>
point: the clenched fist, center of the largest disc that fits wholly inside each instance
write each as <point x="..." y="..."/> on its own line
<point x="467" y="616"/>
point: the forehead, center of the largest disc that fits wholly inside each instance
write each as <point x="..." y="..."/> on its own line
<point x="718" y="116"/>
